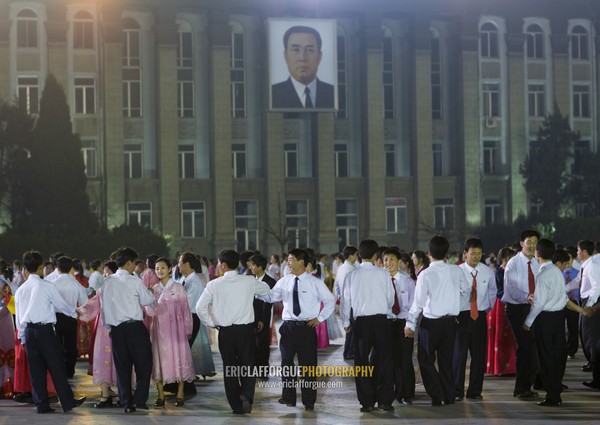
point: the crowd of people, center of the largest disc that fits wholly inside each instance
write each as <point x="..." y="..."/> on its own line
<point x="521" y="311"/>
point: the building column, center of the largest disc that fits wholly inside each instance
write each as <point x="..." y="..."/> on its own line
<point x="327" y="239"/>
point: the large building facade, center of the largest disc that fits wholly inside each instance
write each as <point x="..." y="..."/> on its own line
<point x="438" y="103"/>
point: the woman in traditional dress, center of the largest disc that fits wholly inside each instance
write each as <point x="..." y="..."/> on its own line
<point x="170" y="331"/>
<point x="7" y="330"/>
<point x="502" y="347"/>
<point x="314" y="269"/>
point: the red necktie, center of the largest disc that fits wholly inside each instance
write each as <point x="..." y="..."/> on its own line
<point x="530" y="278"/>
<point x="474" y="311"/>
<point x="396" y="306"/>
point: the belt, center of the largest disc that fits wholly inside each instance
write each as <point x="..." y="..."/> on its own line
<point x="39" y="325"/>
<point x="297" y="322"/>
<point x="395" y="319"/>
<point x="235" y="326"/>
<point x="128" y="322"/>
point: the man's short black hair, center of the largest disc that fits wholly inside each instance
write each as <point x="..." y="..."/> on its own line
<point x="300" y="255"/>
<point x="348" y="251"/>
<point x="112" y="266"/>
<point x="95" y="264"/>
<point x="230" y="258"/>
<point x="259" y="260"/>
<point x="125" y="254"/>
<point x="188" y="257"/>
<point x="587" y="246"/>
<point x="473" y="243"/>
<point x="367" y="248"/>
<point x="302" y="29"/>
<point x="529" y="233"/>
<point x="54" y="257"/>
<point x="545" y="249"/>
<point x="560" y="256"/>
<point x="392" y="251"/>
<point x="32" y="260"/>
<point x="64" y="264"/>
<point x="438" y="247"/>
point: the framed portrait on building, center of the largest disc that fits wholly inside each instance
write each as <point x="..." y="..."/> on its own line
<point x="303" y="65"/>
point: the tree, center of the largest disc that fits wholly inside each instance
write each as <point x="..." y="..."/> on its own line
<point x="545" y="168"/>
<point x="60" y="204"/>
<point x="16" y="128"/>
<point x="585" y="187"/>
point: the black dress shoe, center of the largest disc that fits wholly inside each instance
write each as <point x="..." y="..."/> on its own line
<point x="437" y="403"/>
<point x="474" y="397"/>
<point x="129" y="409"/>
<point x="23" y="398"/>
<point x="160" y="402"/>
<point x="458" y="398"/>
<point x="142" y="406"/>
<point x="387" y="407"/>
<point x="103" y="403"/>
<point x="246" y="405"/>
<point x="46" y="410"/>
<point x="286" y="402"/>
<point x="308" y="408"/>
<point x="587" y="368"/>
<point x="79" y="401"/>
<point x="366" y="409"/>
<point x="546" y="402"/>
<point x="406" y="401"/>
<point x="528" y="394"/>
<point x="592" y="384"/>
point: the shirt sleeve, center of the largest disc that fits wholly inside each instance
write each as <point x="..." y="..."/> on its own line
<point x="539" y="300"/>
<point x="594" y="277"/>
<point x="346" y="303"/>
<point x="492" y="289"/>
<point x="146" y="296"/>
<point x="327" y="299"/>
<point x="59" y="302"/>
<point x="511" y="283"/>
<point x="418" y="304"/>
<point x="202" y="306"/>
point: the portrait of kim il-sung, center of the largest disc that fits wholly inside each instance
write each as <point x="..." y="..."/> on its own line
<point x="303" y="64"/>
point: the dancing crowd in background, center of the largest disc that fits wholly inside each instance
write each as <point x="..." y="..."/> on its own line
<point x="415" y="316"/>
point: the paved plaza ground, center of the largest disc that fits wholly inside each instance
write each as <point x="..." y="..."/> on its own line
<point x="334" y="405"/>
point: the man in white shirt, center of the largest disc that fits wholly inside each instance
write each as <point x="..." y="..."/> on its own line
<point x="96" y="279"/>
<point x="589" y="278"/>
<point x="35" y="304"/>
<point x="438" y="294"/>
<point x="231" y="297"/>
<point x="123" y="296"/>
<point x="519" y="285"/>
<point x="402" y="347"/>
<point x="548" y="314"/>
<point x="66" y="327"/>
<point x="350" y="254"/>
<point x="54" y="273"/>
<point x="302" y="295"/>
<point x="194" y="285"/>
<point x="471" y="335"/>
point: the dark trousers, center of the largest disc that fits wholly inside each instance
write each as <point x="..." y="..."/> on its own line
<point x="301" y="340"/>
<point x="262" y="340"/>
<point x="373" y="332"/>
<point x="471" y="338"/>
<point x="44" y="353"/>
<point x="402" y="350"/>
<point x="349" y="341"/>
<point x="195" y="328"/>
<point x="527" y="363"/>
<point x="66" y="331"/>
<point x="436" y="343"/>
<point x="236" y="344"/>
<point x="573" y="331"/>
<point x="589" y="328"/>
<point x="132" y="349"/>
<point x="552" y="351"/>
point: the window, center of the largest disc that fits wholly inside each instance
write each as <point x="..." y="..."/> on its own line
<point x="27" y="28"/>
<point x="390" y="159"/>
<point x="246" y="225"/>
<point x="581" y="150"/>
<point x="491" y="100"/>
<point x="238" y="73"/>
<point x="444" y="214"/>
<point x="388" y="76"/>
<point x="346" y="220"/>
<point x="133" y="161"/>
<point x="342" y="111"/>
<point x="83" y="31"/>
<point x="290" y="152"/>
<point x="436" y="78"/>
<point x="537" y="100"/>
<point x="438" y="159"/>
<point x="536" y="206"/>
<point x="582" y="210"/>
<point x="238" y="152"/>
<point x="296" y="220"/>
<point x="185" y="72"/>
<point x="132" y="72"/>
<point x="396" y="215"/>
<point x="488" y="40"/>
<point x="535" y="42"/>
<point x="581" y="101"/>
<point x="493" y="212"/>
<point x="139" y="213"/>
<point x="85" y="96"/>
<point x="28" y="94"/>
<point x="341" y="159"/>
<point x="193" y="219"/>
<point x="186" y="162"/>
<point x="88" y="150"/>
<point x="490" y="157"/>
<point x="579" y="43"/>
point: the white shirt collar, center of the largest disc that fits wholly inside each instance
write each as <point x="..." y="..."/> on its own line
<point x="299" y="87"/>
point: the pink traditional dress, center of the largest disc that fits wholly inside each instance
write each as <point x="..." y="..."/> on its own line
<point x="103" y="368"/>
<point x="85" y="329"/>
<point x="149" y="279"/>
<point x="7" y="343"/>
<point x="171" y="325"/>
